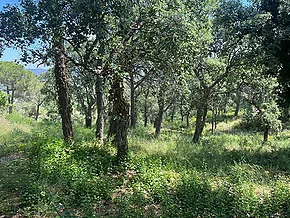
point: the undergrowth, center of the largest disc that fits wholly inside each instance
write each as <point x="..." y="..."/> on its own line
<point x="228" y="174"/>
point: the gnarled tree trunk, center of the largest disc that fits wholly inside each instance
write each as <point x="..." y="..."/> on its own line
<point x="64" y="101"/>
<point x="201" y="117"/>
<point x="119" y="118"/>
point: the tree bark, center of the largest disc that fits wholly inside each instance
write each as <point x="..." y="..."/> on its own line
<point x="213" y="121"/>
<point x="159" y="118"/>
<point x="119" y="119"/>
<point x="173" y="110"/>
<point x="64" y="101"/>
<point x="132" y="101"/>
<point x="37" y="111"/>
<point x="10" y="98"/>
<point x="100" y="110"/>
<point x="146" y="108"/>
<point x="239" y="96"/>
<point x="200" y="119"/>
<point x="88" y="118"/>
<point x="266" y="133"/>
<point x="181" y="110"/>
<point x="187" y="120"/>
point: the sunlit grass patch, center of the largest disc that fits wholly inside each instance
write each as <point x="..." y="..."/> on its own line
<point x="229" y="173"/>
<point x="13" y="136"/>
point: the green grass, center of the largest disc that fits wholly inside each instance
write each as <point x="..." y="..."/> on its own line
<point x="228" y="174"/>
<point x="14" y="174"/>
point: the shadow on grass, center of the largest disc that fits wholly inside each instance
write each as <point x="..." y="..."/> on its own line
<point x="187" y="180"/>
<point x="13" y="180"/>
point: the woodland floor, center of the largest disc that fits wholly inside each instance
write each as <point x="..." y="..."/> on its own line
<point x="231" y="173"/>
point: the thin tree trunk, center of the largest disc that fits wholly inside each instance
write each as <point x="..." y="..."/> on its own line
<point x="187" y="120"/>
<point x="181" y="110"/>
<point x="146" y="108"/>
<point x="159" y="118"/>
<point x="225" y="108"/>
<point x="266" y="133"/>
<point x="10" y="98"/>
<point x="238" y="102"/>
<point x="37" y="111"/>
<point x="88" y="118"/>
<point x="215" y="120"/>
<point x="119" y="120"/>
<point x="64" y="101"/>
<point x="173" y="111"/>
<point x="212" y="121"/>
<point x="132" y="101"/>
<point x="100" y="106"/>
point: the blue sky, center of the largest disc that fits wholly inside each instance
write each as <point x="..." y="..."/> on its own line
<point x="9" y="53"/>
<point x="4" y="2"/>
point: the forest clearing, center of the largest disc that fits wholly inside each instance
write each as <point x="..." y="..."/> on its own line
<point x="145" y="108"/>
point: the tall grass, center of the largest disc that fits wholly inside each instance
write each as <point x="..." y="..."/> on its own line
<point x="228" y="174"/>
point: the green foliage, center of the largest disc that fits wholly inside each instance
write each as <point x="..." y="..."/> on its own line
<point x="270" y="116"/>
<point x="3" y="101"/>
<point x="14" y="77"/>
<point x="251" y="120"/>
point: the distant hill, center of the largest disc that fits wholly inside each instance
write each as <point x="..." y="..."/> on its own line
<point x="38" y="71"/>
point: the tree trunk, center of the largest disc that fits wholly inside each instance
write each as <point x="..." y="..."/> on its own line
<point x="226" y="104"/>
<point x="159" y="118"/>
<point x="37" y="111"/>
<point x="132" y="101"/>
<point x="213" y="121"/>
<point x="198" y="124"/>
<point x="181" y="110"/>
<point x="225" y="108"/>
<point x="119" y="119"/>
<point x="173" y="111"/>
<point x="10" y="98"/>
<point x="88" y="119"/>
<point x="146" y="108"/>
<point x="187" y="120"/>
<point x="200" y="120"/>
<point x="239" y="96"/>
<point x="100" y="106"/>
<point x="266" y="133"/>
<point x="61" y="77"/>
